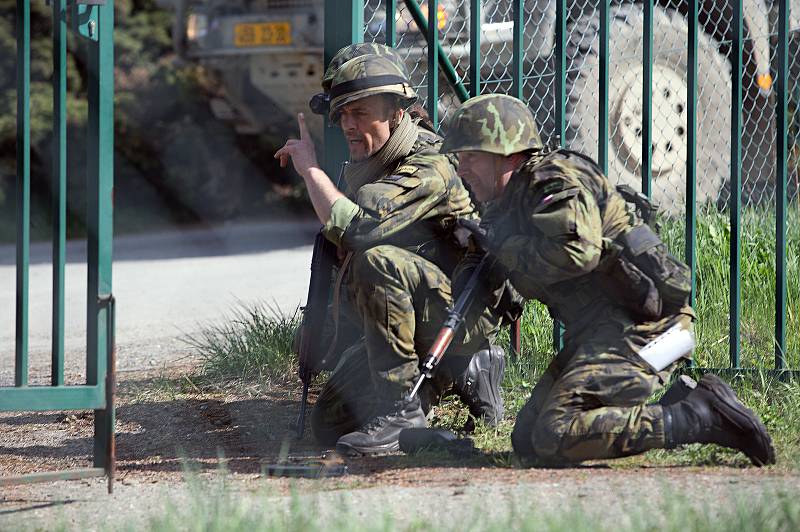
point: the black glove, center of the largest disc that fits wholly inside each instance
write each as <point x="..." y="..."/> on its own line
<point x="479" y="233"/>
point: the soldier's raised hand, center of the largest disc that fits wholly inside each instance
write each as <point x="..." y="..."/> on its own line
<point x="301" y="151"/>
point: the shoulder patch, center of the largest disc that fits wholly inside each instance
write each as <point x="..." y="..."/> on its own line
<point x="406" y="169"/>
<point x="551" y="199"/>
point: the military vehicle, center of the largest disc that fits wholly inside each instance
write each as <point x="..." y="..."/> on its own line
<point x="268" y="54"/>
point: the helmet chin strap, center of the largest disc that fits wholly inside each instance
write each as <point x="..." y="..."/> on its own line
<point x="396" y="120"/>
<point x="500" y="174"/>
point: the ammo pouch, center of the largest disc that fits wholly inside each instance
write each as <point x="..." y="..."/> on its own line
<point x="639" y="271"/>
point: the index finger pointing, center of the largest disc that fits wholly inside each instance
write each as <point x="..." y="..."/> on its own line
<point x="301" y="122"/>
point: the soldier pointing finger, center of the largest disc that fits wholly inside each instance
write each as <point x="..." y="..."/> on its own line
<point x="395" y="224"/>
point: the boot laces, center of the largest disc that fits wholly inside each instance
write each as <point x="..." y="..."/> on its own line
<point x="379" y="421"/>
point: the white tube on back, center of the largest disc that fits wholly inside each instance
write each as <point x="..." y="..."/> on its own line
<point x="668" y="347"/>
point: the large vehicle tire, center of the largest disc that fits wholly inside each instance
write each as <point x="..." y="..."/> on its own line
<point x="669" y="103"/>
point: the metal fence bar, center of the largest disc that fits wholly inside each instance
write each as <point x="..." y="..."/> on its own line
<point x="23" y="189"/>
<point x="99" y="219"/>
<point x="109" y="425"/>
<point x="736" y="182"/>
<point x="560" y="112"/>
<point x="52" y="476"/>
<point x="43" y="398"/>
<point x="474" y="48"/>
<point x="690" y="235"/>
<point x="59" y="206"/>
<point x="516" y="46"/>
<point x="560" y="68"/>
<point x="391" y="23"/>
<point x="647" y="100"/>
<point x="602" y="137"/>
<point x="433" y="62"/>
<point x="782" y="86"/>
<point x="344" y="24"/>
<point x="690" y="251"/>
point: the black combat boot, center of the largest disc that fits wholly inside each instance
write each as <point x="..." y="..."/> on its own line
<point x="713" y="414"/>
<point x="478" y="386"/>
<point x="679" y="390"/>
<point x="381" y="434"/>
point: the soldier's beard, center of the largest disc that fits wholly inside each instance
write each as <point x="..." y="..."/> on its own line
<point x="377" y="165"/>
<point x="359" y="150"/>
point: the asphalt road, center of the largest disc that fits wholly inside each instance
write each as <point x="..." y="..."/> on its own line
<point x="166" y="285"/>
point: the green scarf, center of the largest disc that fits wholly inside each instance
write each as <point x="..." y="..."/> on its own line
<point x="400" y="143"/>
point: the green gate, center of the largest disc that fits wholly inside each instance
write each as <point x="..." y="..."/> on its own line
<point x="621" y="81"/>
<point x="93" y="23"/>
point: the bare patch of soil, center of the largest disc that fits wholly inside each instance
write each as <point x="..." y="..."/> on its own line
<point x="166" y="425"/>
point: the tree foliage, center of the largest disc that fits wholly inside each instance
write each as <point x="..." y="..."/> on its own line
<point x="174" y="162"/>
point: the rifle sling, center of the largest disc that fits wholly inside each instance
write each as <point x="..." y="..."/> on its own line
<point x="337" y="290"/>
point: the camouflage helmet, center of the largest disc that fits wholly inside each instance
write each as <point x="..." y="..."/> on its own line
<point x="368" y="75"/>
<point x="493" y="123"/>
<point x="352" y="51"/>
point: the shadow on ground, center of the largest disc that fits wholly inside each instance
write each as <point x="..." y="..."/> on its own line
<point x="191" y="432"/>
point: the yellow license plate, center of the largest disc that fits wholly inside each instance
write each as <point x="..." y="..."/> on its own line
<point x="262" y="34"/>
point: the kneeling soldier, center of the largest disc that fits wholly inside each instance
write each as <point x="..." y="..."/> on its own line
<point x="563" y="235"/>
<point x="396" y="227"/>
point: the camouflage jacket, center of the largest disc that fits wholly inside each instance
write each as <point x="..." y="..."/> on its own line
<point x="414" y="207"/>
<point x="549" y="229"/>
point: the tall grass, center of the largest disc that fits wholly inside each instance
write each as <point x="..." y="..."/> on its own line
<point x="757" y="286"/>
<point x="256" y="345"/>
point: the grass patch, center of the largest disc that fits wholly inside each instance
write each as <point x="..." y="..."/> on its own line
<point x="255" y="346"/>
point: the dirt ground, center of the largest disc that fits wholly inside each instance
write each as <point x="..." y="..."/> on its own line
<point x="166" y="426"/>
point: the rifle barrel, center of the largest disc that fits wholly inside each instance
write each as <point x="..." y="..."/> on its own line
<point x="301" y="418"/>
<point x="455" y="319"/>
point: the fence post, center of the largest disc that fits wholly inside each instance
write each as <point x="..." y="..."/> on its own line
<point x="433" y="62"/>
<point x="59" y="206"/>
<point x="391" y="23"/>
<point x="736" y="182"/>
<point x="560" y="78"/>
<point x="602" y="118"/>
<point x="474" y="48"/>
<point x="23" y="189"/>
<point x="782" y="87"/>
<point x="518" y="52"/>
<point x="99" y="218"/>
<point x="690" y="234"/>
<point x="647" y="99"/>
<point x="344" y="24"/>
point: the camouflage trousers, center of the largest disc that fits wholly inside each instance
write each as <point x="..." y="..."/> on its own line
<point x="402" y="301"/>
<point x="591" y="401"/>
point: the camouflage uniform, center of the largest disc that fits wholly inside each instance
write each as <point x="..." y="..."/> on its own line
<point x="558" y="211"/>
<point x="399" y="229"/>
<point x="548" y="231"/>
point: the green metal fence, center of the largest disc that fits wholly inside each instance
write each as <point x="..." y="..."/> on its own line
<point x="93" y="22"/>
<point x="686" y="100"/>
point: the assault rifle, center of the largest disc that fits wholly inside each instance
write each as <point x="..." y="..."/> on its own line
<point x="311" y="350"/>
<point x="455" y="319"/>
